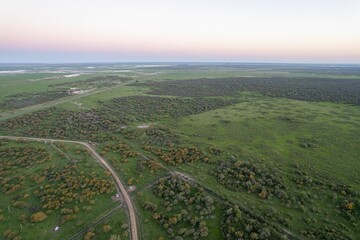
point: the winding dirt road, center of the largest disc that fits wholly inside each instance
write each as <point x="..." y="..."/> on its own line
<point x="128" y="202"/>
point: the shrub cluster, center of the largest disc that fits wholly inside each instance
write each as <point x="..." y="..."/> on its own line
<point x="236" y="224"/>
<point x="184" y="210"/>
<point x="179" y="155"/>
<point x="153" y="165"/>
<point x="253" y="177"/>
<point x="60" y="186"/>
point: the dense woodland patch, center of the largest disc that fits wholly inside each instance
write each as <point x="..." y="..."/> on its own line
<point x="253" y="177"/>
<point x="20" y="100"/>
<point x="94" y="82"/>
<point x="179" y="155"/>
<point x="146" y="108"/>
<point x="60" y="90"/>
<point x="183" y="210"/>
<point x="306" y="89"/>
<point x="237" y="224"/>
<point x="100" y="124"/>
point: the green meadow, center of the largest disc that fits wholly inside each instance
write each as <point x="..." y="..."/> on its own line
<point x="205" y="151"/>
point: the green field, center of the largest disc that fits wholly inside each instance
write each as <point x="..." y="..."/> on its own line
<point x="207" y="151"/>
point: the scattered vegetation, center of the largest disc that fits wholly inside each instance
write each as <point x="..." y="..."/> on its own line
<point x="160" y="136"/>
<point x="151" y="164"/>
<point x="183" y="211"/>
<point x="301" y="182"/>
<point x="179" y="155"/>
<point x="239" y="225"/>
<point x="41" y="188"/>
<point x="253" y="177"/>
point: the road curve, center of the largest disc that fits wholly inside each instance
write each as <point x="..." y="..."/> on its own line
<point x="132" y="216"/>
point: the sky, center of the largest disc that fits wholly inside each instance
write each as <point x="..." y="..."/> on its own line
<point x="180" y="30"/>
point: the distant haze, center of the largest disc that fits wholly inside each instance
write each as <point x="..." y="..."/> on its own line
<point x="180" y="30"/>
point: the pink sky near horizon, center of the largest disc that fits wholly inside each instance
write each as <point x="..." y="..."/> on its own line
<point x="323" y="31"/>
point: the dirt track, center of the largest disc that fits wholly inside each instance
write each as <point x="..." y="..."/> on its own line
<point x="128" y="202"/>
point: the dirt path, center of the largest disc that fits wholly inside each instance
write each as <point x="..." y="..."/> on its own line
<point x="195" y="183"/>
<point x="128" y="202"/>
<point x="97" y="221"/>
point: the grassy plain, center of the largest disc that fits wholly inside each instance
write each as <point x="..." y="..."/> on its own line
<point x="273" y="131"/>
<point x="309" y="146"/>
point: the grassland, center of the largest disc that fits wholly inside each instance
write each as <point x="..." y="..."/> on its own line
<point x="32" y="181"/>
<point x="273" y="131"/>
<point x="273" y="149"/>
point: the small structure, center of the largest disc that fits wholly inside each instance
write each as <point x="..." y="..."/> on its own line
<point x="145" y="125"/>
<point x="73" y="91"/>
<point x="71" y="75"/>
<point x="131" y="188"/>
<point x="57" y="228"/>
<point x="117" y="197"/>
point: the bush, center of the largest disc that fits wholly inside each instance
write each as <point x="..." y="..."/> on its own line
<point x="107" y="228"/>
<point x="38" y="217"/>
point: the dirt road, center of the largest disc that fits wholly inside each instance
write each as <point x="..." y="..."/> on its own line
<point x="128" y="202"/>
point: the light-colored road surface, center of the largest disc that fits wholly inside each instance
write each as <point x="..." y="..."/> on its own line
<point x="128" y="202"/>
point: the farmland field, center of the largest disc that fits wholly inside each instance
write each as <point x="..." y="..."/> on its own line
<point x="206" y="151"/>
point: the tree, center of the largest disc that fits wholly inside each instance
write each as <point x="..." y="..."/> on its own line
<point x="263" y="194"/>
<point x="254" y="235"/>
<point x="90" y="233"/>
<point x="173" y="220"/>
<point x="22" y="217"/>
<point x="12" y="234"/>
<point x="38" y="217"/>
<point x="204" y="231"/>
<point x="349" y="205"/>
<point x="115" y="237"/>
<point x="107" y="228"/>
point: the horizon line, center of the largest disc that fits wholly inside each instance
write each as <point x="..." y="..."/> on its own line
<point x="179" y="62"/>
